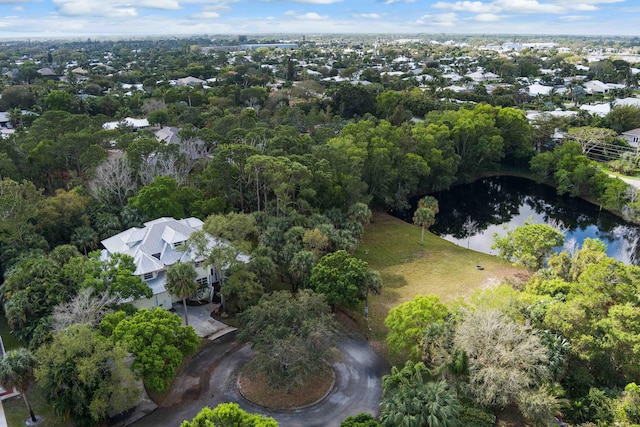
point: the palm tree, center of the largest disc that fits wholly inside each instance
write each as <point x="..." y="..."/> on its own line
<point x="424" y="218"/>
<point x="181" y="282"/>
<point x="85" y="239"/>
<point x="16" y="371"/>
<point x="411" y="400"/>
<point x="425" y="215"/>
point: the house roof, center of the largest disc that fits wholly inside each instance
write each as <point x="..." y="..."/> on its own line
<point x="157" y="246"/>
<point x="127" y="121"/>
<point x="632" y="132"/>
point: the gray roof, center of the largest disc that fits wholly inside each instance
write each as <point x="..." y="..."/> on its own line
<point x="156" y="246"/>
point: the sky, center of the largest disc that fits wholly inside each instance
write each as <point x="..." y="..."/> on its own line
<point x="86" y="18"/>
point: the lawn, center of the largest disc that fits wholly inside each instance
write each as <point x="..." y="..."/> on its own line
<point x="16" y="411"/>
<point x="392" y="247"/>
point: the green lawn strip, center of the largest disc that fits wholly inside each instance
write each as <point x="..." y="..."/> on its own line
<point x="392" y="247"/>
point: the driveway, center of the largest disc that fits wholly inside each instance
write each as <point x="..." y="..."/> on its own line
<point x="210" y="378"/>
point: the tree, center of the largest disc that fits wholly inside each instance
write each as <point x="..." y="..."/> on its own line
<point x="85" y="308"/>
<point x="411" y="399"/>
<point x="408" y="321"/>
<point x="360" y="420"/>
<point x="16" y="371"/>
<point x="84" y="238"/>
<point x="114" y="276"/>
<point x="181" y="282"/>
<point x="159" y="199"/>
<point x="342" y="279"/>
<point x="591" y="138"/>
<point x="505" y="359"/>
<point x="424" y="218"/>
<point x="242" y="290"/>
<point x="228" y="414"/>
<point x="158" y="341"/>
<point x="292" y="335"/>
<point x="85" y="376"/>
<point x="528" y="245"/>
<point x="113" y="182"/>
<point x="58" y="216"/>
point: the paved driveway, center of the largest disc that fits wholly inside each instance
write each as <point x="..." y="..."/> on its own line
<point x="211" y="377"/>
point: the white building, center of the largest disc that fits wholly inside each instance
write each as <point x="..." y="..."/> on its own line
<point x="155" y="248"/>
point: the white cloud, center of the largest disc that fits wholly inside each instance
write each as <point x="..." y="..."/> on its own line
<point x="569" y="2"/>
<point x="207" y="12"/>
<point x="367" y="15"/>
<point x="316" y="1"/>
<point x="18" y="9"/>
<point x="398" y="1"/>
<point x="312" y="16"/>
<point x="159" y="4"/>
<point x="439" y="20"/>
<point x="486" y="17"/>
<point x="528" y="6"/>
<point x="574" y="18"/>
<point x="95" y="8"/>
<point x="517" y="6"/>
<point x="467" y="6"/>
<point x="583" y="7"/>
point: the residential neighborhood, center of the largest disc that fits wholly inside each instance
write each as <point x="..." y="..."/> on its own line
<point x="316" y="229"/>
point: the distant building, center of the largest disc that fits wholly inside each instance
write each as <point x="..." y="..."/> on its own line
<point x="136" y="124"/>
<point x="253" y="46"/>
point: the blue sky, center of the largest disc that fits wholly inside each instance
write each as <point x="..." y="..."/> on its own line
<point x="63" y="18"/>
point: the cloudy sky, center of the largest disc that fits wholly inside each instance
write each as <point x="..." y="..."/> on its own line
<point x="53" y="18"/>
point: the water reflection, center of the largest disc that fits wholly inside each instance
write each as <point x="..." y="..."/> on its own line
<point x="471" y="213"/>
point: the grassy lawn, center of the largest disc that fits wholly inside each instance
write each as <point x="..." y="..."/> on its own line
<point x="16" y="411"/>
<point x="408" y="269"/>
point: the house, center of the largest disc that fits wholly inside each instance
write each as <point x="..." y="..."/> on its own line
<point x="596" y="86"/>
<point x="189" y="81"/>
<point x="155" y="248"/>
<point x="538" y="89"/>
<point x="136" y="124"/>
<point x="482" y="76"/>
<point x="632" y="137"/>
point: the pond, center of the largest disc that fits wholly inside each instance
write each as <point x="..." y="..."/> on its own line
<point x="470" y="214"/>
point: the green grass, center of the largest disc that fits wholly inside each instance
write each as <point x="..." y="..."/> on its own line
<point x="408" y="269"/>
<point x="16" y="411"/>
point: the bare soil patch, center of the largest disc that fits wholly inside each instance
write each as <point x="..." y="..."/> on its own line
<point x="256" y="388"/>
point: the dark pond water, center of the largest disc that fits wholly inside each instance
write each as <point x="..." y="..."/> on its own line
<point x="470" y="214"/>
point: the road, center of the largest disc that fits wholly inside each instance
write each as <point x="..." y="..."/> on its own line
<point x="211" y="377"/>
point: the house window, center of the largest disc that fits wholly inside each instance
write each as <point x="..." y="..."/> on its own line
<point x="199" y="264"/>
<point x="156" y="255"/>
<point x="203" y="281"/>
<point x="177" y="244"/>
<point x="148" y="276"/>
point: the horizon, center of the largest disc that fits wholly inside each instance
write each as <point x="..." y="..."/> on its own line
<point x="65" y="19"/>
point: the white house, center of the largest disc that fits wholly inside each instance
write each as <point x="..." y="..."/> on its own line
<point x="482" y="76"/>
<point x="596" y="86"/>
<point x="632" y="137"/>
<point x="538" y="89"/>
<point x="154" y="249"/>
<point x="136" y="124"/>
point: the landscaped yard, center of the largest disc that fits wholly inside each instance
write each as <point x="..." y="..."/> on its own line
<point x="392" y="247"/>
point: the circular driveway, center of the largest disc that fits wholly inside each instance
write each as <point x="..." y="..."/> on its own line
<point x="211" y="379"/>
